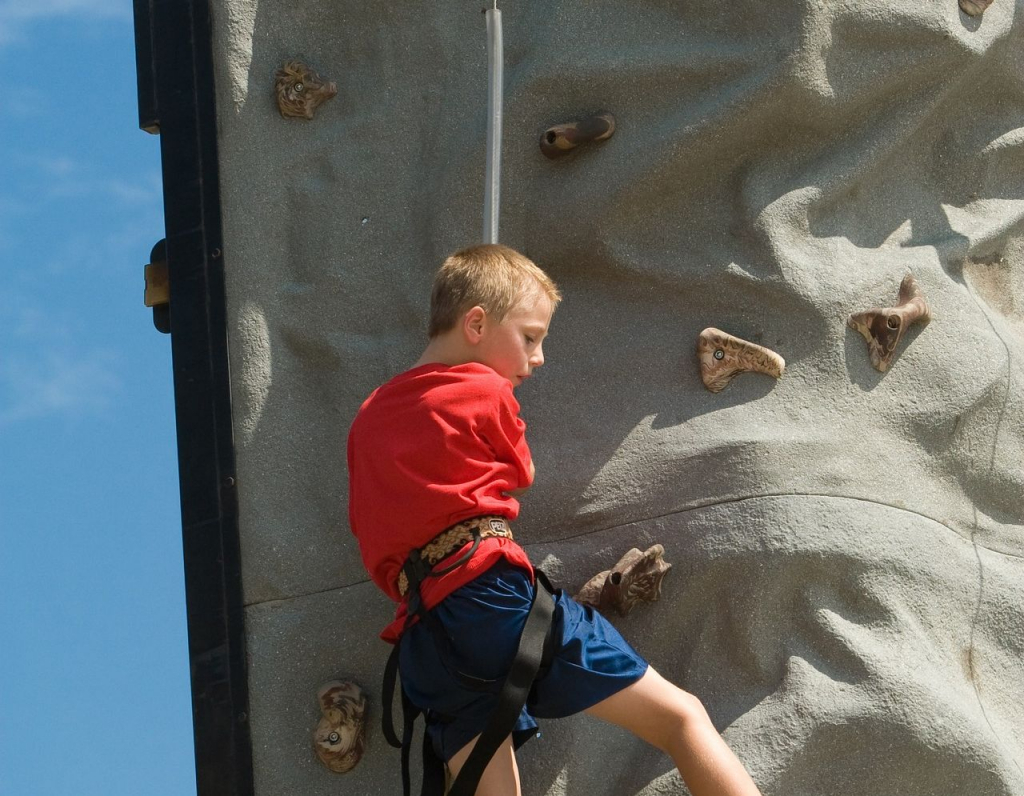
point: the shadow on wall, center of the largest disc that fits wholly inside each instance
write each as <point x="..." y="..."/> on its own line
<point x="758" y="182"/>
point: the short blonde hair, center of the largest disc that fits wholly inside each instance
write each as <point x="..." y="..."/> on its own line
<point x="492" y="276"/>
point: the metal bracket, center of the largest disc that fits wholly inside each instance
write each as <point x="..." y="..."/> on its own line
<point x="158" y="287"/>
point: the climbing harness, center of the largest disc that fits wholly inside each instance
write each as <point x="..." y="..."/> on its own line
<point x="447" y="542"/>
<point x="531" y="662"/>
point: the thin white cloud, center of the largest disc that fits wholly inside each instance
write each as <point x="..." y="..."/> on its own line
<point x="45" y="370"/>
<point x="125" y="219"/>
<point x="54" y="166"/>
<point x="16" y="15"/>
<point x="27" y="322"/>
<point x="144" y="192"/>
<point x="9" y="210"/>
<point x="62" y="177"/>
<point x="56" y="382"/>
<point x="41" y="9"/>
<point x="133" y="193"/>
<point x="10" y="205"/>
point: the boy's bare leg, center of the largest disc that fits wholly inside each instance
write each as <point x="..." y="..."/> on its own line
<point x="500" y="778"/>
<point x="674" y="721"/>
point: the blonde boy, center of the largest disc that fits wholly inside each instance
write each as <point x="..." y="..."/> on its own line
<point x="437" y="459"/>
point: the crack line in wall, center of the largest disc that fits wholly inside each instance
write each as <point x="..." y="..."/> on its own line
<point x="712" y="504"/>
<point x="972" y="672"/>
<point x="670" y="514"/>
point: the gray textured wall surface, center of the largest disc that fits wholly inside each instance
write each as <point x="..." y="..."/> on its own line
<point x="848" y="590"/>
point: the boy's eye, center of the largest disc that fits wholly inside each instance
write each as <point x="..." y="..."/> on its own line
<point x="529" y="339"/>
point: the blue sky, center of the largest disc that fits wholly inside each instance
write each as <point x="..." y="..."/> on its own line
<point x="94" y="689"/>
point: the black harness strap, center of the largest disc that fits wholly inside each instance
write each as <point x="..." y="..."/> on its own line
<point x="532" y="659"/>
<point x="388" y="693"/>
<point x="514" y="691"/>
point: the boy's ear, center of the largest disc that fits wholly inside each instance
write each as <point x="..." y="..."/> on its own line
<point x="473" y="324"/>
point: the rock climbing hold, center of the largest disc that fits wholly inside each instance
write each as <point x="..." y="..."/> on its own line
<point x="339" y="738"/>
<point x="974" y="8"/>
<point x="723" y="356"/>
<point x="637" y="577"/>
<point x="300" y="90"/>
<point x="561" y="139"/>
<point x="884" y="327"/>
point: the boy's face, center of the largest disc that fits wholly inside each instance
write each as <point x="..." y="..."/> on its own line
<point x="514" y="347"/>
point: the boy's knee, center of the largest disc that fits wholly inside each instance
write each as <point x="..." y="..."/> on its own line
<point x="693" y="709"/>
<point x="686" y="715"/>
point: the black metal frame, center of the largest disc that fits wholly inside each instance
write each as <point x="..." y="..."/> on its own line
<point x="176" y="97"/>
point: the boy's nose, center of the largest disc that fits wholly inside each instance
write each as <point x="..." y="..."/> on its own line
<point x="537" y="358"/>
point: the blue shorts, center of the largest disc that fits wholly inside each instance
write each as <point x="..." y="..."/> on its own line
<point x="484" y="618"/>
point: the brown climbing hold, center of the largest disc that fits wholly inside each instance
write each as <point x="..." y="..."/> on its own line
<point x="974" y="8"/>
<point x="722" y="356"/>
<point x="339" y="738"/>
<point x="884" y="327"/>
<point x="562" y="139"/>
<point x="637" y="577"/>
<point x="300" y="90"/>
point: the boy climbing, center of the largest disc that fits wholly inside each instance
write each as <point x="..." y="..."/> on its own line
<point x="437" y="457"/>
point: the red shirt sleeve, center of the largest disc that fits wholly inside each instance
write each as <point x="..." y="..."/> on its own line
<point x="506" y="434"/>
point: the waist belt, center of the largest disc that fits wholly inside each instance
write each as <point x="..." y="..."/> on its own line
<point x="447" y="542"/>
<point x="531" y="661"/>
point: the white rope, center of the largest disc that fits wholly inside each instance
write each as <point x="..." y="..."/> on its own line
<point x="492" y="175"/>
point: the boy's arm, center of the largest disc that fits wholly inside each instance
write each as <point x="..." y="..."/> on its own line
<point x="505" y="433"/>
<point x="522" y="489"/>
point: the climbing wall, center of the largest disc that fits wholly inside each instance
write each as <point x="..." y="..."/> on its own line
<point x="847" y="595"/>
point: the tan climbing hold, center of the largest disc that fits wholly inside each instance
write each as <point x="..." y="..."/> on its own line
<point x="561" y="139"/>
<point x="723" y="356"/>
<point x="636" y="578"/>
<point x="974" y="8"/>
<point x="339" y="738"/>
<point x="884" y="327"/>
<point x="300" y="90"/>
